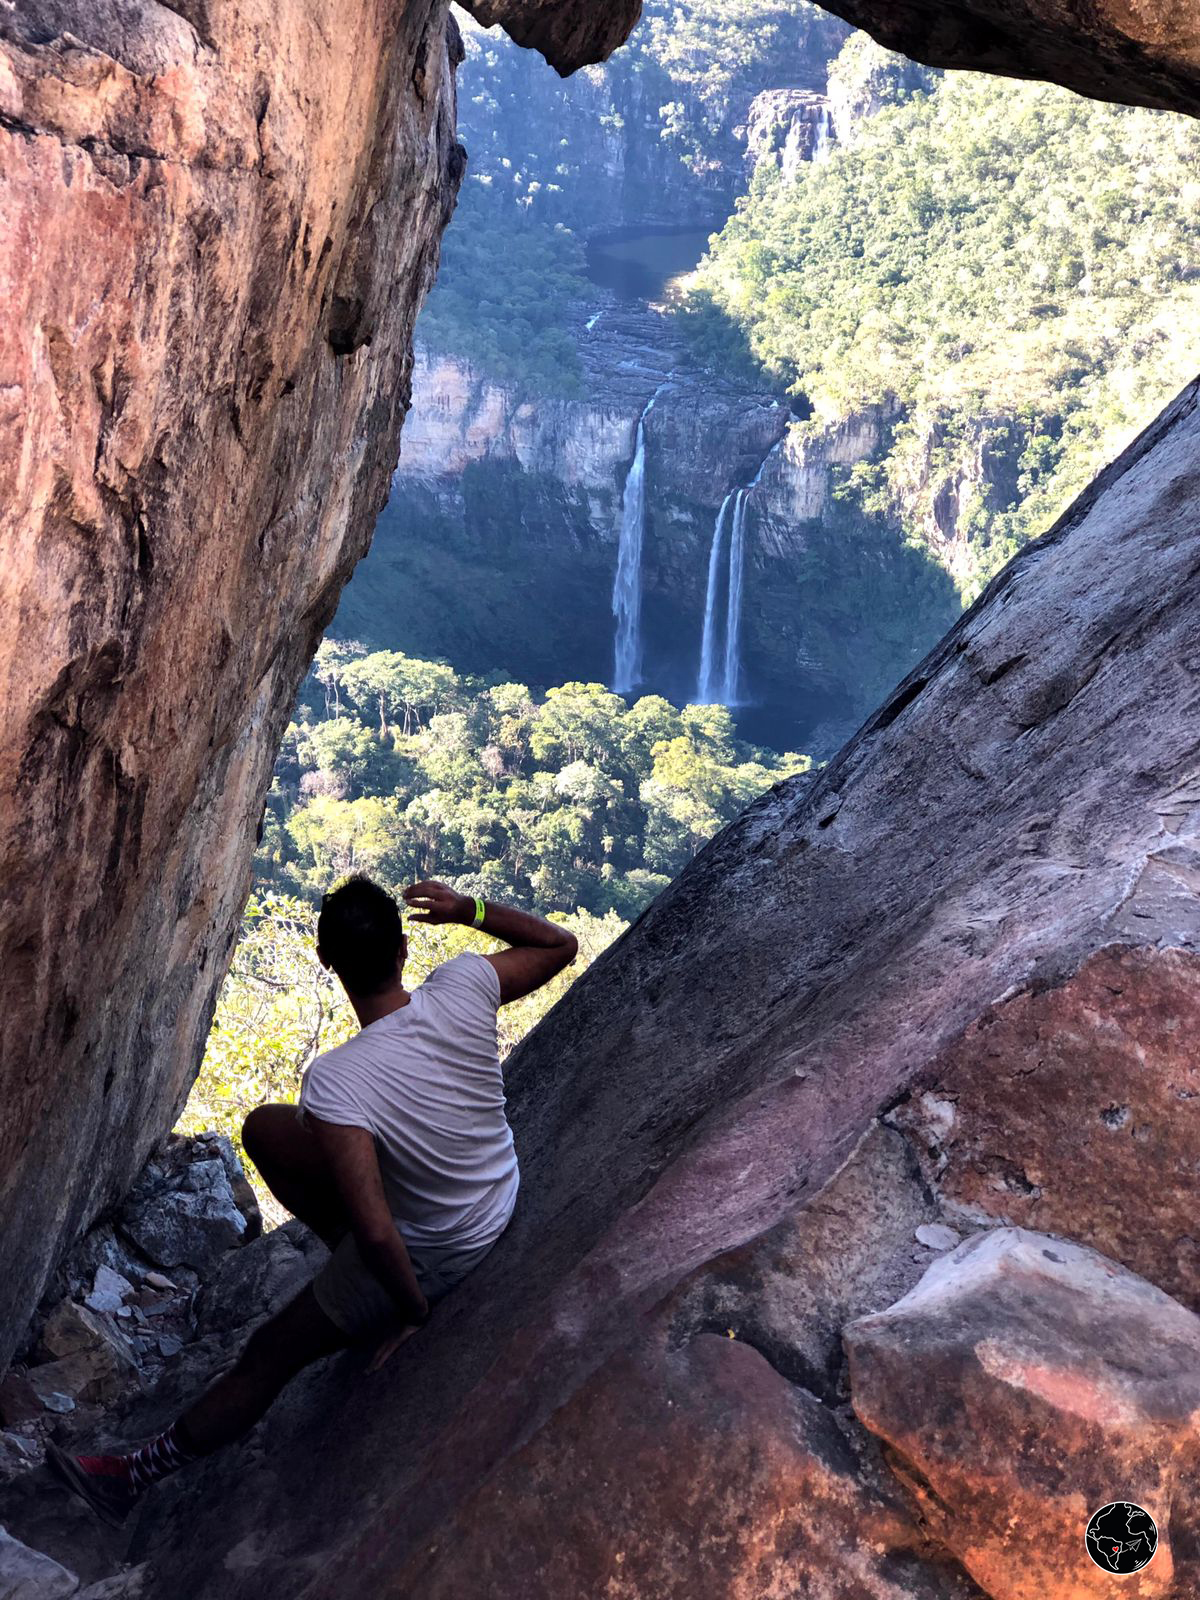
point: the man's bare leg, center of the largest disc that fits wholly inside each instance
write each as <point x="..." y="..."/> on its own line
<point x="290" y="1164"/>
<point x="290" y="1341"/>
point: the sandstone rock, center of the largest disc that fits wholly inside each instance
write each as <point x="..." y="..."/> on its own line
<point x="569" y="36"/>
<point x="260" y="1279"/>
<point x="1023" y="1384"/>
<point x="28" y="1575"/>
<point x="71" y="1328"/>
<point x="698" y="1474"/>
<point x="213" y="250"/>
<point x="1090" y="1131"/>
<point x="790" y="1292"/>
<point x="1018" y="805"/>
<point x="936" y="1236"/>
<point x="1143" y="54"/>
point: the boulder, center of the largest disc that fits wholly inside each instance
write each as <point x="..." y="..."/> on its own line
<point x="568" y="35"/>
<point x="26" y="1574"/>
<point x="693" y="1474"/>
<point x="191" y="1225"/>
<point x="1024" y="1384"/>
<point x="109" y="1290"/>
<point x="1017" y="806"/>
<point x="1090" y="1131"/>
<point x="215" y="245"/>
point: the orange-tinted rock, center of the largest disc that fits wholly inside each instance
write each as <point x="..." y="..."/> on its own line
<point x="218" y="223"/>
<point x="1075" y="1108"/>
<point x="1025" y="1383"/>
<point x="1141" y="52"/>
<point x="698" y="1474"/>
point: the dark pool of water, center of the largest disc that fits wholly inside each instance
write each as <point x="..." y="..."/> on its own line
<point x="641" y="266"/>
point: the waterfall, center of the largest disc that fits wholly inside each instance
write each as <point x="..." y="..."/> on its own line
<point x="627" y="586"/>
<point x="824" y="136"/>
<point x="733" y="604"/>
<point x="732" y="518"/>
<point x="706" y="687"/>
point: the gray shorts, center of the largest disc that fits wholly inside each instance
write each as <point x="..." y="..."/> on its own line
<point x="350" y="1294"/>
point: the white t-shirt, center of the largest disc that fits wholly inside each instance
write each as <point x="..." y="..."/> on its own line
<point x="426" y="1082"/>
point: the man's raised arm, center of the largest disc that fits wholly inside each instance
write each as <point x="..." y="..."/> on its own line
<point x="540" y="949"/>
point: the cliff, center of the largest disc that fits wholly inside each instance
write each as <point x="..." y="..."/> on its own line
<point x="507" y="504"/>
<point x="213" y="253"/>
<point x="654" y="139"/>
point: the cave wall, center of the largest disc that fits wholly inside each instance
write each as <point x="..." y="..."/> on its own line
<point x="220" y="220"/>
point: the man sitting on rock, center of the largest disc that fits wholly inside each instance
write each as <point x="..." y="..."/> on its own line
<point x="400" y="1157"/>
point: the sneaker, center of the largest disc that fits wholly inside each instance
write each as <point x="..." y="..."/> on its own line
<point x="103" y="1481"/>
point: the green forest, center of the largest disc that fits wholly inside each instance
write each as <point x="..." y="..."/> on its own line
<point x="577" y="800"/>
<point x="1015" y="271"/>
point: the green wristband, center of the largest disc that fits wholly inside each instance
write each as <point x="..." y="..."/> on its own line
<point x="479" y="912"/>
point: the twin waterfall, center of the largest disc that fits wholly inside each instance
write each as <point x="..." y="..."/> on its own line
<point x="627" y="589"/>
<point x="724" y="688"/>
<point x="718" y="683"/>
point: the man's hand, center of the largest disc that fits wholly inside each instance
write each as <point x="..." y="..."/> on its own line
<point x="438" y="903"/>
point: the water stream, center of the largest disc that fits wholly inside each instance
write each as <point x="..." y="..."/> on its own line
<point x="726" y="690"/>
<point x="627" y="587"/>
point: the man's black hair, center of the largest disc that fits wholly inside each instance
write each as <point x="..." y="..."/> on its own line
<point x="359" y="933"/>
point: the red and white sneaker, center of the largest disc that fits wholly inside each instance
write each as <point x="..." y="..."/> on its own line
<point x="104" y="1482"/>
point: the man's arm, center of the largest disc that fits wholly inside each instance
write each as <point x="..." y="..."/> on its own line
<point x="350" y="1154"/>
<point x="540" y="949"/>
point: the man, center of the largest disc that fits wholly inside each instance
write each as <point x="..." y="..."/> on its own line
<point x="400" y="1157"/>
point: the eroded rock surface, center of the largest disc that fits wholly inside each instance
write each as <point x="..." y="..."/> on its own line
<point x="696" y="1474"/>
<point x="1024" y="1384"/>
<point x="1005" y="817"/>
<point x="1139" y="52"/>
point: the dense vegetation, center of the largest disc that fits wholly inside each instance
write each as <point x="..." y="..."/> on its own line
<point x="405" y="769"/>
<point x="502" y="293"/>
<point x="540" y="159"/>
<point x="1012" y="269"/>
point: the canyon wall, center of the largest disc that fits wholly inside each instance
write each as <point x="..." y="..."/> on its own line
<point x="643" y="142"/>
<point x="219" y="223"/>
<point x="506" y="505"/>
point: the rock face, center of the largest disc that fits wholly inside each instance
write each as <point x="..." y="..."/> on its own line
<point x="644" y="143"/>
<point x="213" y="252"/>
<point x="1143" y="54"/>
<point x="1024" y="1384"/>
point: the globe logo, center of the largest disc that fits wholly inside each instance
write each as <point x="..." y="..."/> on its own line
<point x="1122" y="1537"/>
